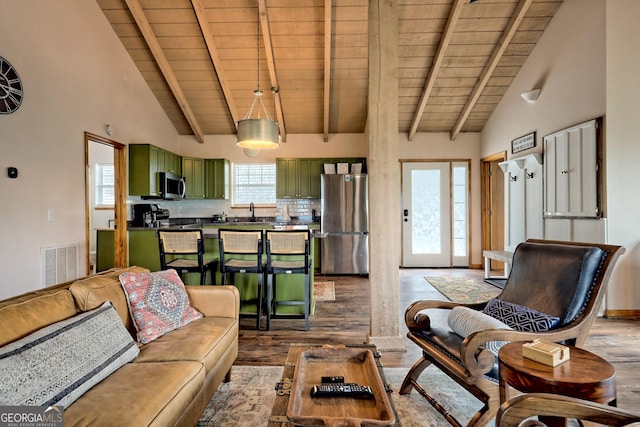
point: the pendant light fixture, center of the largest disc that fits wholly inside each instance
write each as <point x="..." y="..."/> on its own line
<point x="261" y="132"/>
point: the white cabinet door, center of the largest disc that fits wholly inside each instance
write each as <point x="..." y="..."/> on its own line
<point x="571" y="172"/>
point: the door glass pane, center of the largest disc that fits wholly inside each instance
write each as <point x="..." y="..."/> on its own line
<point x="425" y="211"/>
<point x="459" y="211"/>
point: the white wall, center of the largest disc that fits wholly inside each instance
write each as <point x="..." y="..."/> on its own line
<point x="623" y="150"/>
<point x="77" y="77"/>
<point x="568" y="65"/>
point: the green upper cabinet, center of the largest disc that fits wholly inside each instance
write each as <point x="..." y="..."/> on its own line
<point x="143" y="170"/>
<point x="145" y="161"/>
<point x="172" y="163"/>
<point x="217" y="178"/>
<point x="286" y="178"/>
<point x="193" y="172"/>
<point x="298" y="178"/>
<point x="309" y="172"/>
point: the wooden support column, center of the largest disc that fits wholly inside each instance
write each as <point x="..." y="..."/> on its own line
<point x="384" y="177"/>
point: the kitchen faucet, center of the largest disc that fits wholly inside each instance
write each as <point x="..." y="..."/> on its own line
<point x="252" y="209"/>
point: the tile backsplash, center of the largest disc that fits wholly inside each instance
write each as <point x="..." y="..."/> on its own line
<point x="207" y="208"/>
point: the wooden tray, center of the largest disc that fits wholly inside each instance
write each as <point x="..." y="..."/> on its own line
<point x="356" y="366"/>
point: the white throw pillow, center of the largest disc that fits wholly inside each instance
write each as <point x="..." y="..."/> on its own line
<point x="464" y="321"/>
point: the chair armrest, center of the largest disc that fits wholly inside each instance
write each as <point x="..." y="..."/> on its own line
<point x="514" y="411"/>
<point x="479" y="361"/>
<point x="417" y="321"/>
<point x="215" y="301"/>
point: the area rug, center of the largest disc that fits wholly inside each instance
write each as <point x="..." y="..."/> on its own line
<point x="248" y="399"/>
<point x="324" y="291"/>
<point x="463" y="289"/>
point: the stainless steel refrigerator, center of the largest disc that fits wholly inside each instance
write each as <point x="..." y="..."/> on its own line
<point x="345" y="221"/>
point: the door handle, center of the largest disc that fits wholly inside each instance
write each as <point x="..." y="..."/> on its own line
<point x="406" y="214"/>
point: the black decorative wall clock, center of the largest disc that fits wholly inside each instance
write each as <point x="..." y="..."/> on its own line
<point x="10" y="88"/>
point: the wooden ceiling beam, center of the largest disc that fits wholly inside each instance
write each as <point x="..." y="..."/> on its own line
<point x="445" y="40"/>
<point x="496" y="55"/>
<point x="327" y="65"/>
<point x="163" y="63"/>
<point x="268" y="46"/>
<point x="201" y="15"/>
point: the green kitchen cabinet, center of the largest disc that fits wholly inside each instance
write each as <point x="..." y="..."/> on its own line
<point x="145" y="161"/>
<point x="286" y="178"/>
<point x="298" y="178"/>
<point x="193" y="172"/>
<point x="172" y="163"/>
<point x="309" y="172"/>
<point x="217" y="179"/>
<point x="105" y="248"/>
<point x="144" y="250"/>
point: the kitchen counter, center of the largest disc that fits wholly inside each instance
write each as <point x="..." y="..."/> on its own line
<point x="209" y="229"/>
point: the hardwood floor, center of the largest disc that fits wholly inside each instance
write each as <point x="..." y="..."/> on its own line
<point x="346" y="321"/>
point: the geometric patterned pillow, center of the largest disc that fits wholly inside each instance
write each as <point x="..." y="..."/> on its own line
<point x="57" y="364"/>
<point x="519" y="317"/>
<point x="158" y="303"/>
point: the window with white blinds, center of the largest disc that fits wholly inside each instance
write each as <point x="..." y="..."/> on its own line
<point x="254" y="182"/>
<point x="105" y="185"/>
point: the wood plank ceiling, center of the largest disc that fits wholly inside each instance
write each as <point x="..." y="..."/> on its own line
<point x="200" y="59"/>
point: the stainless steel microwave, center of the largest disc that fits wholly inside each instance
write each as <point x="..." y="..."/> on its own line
<point x="172" y="187"/>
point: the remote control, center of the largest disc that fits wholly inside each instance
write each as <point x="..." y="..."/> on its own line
<point x="342" y="390"/>
<point x="332" y="380"/>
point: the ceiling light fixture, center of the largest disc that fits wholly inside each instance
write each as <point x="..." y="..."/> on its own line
<point x="531" y="96"/>
<point x="260" y="132"/>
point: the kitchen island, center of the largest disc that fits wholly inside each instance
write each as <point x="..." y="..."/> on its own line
<point x="144" y="252"/>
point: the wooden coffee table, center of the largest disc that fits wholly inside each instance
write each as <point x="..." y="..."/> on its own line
<point x="278" y="417"/>
<point x="584" y="376"/>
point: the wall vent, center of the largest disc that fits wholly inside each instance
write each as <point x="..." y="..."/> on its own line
<point x="58" y="264"/>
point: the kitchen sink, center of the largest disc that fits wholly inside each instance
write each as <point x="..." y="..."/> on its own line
<point x="290" y="227"/>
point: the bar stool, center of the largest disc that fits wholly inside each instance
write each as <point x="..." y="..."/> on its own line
<point x="241" y="252"/>
<point x="176" y="243"/>
<point x="288" y="252"/>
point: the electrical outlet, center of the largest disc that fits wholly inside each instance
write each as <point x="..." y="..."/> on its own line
<point x="51" y="215"/>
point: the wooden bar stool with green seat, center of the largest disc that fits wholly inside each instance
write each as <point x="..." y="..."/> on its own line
<point x="288" y="252"/>
<point x="183" y="251"/>
<point x="241" y="252"/>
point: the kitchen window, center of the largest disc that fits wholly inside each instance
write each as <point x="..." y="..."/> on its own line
<point x="105" y="185"/>
<point x="254" y="182"/>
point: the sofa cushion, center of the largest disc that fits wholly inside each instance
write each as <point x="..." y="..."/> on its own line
<point x="158" y="303"/>
<point x="93" y="291"/>
<point x="519" y="317"/>
<point x="25" y="317"/>
<point x="58" y="363"/>
<point x="464" y="321"/>
<point x="204" y="340"/>
<point x="141" y="394"/>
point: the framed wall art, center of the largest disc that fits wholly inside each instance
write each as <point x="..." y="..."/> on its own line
<point x="523" y="143"/>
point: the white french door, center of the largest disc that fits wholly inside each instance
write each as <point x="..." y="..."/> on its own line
<point x="435" y="214"/>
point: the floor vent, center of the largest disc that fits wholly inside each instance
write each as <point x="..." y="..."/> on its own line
<point x="59" y="264"/>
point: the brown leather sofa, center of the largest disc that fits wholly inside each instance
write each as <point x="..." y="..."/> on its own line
<point x="173" y="378"/>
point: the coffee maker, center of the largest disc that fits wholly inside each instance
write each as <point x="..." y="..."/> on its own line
<point x="148" y="215"/>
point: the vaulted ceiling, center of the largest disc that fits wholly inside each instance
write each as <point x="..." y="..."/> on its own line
<point x="456" y="60"/>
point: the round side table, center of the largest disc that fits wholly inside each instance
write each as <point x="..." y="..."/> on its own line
<point x="584" y="376"/>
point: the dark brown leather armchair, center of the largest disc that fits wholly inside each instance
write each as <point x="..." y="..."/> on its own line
<point x="516" y="410"/>
<point x="562" y="279"/>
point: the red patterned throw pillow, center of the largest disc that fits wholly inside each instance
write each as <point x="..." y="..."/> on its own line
<point x="158" y="303"/>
